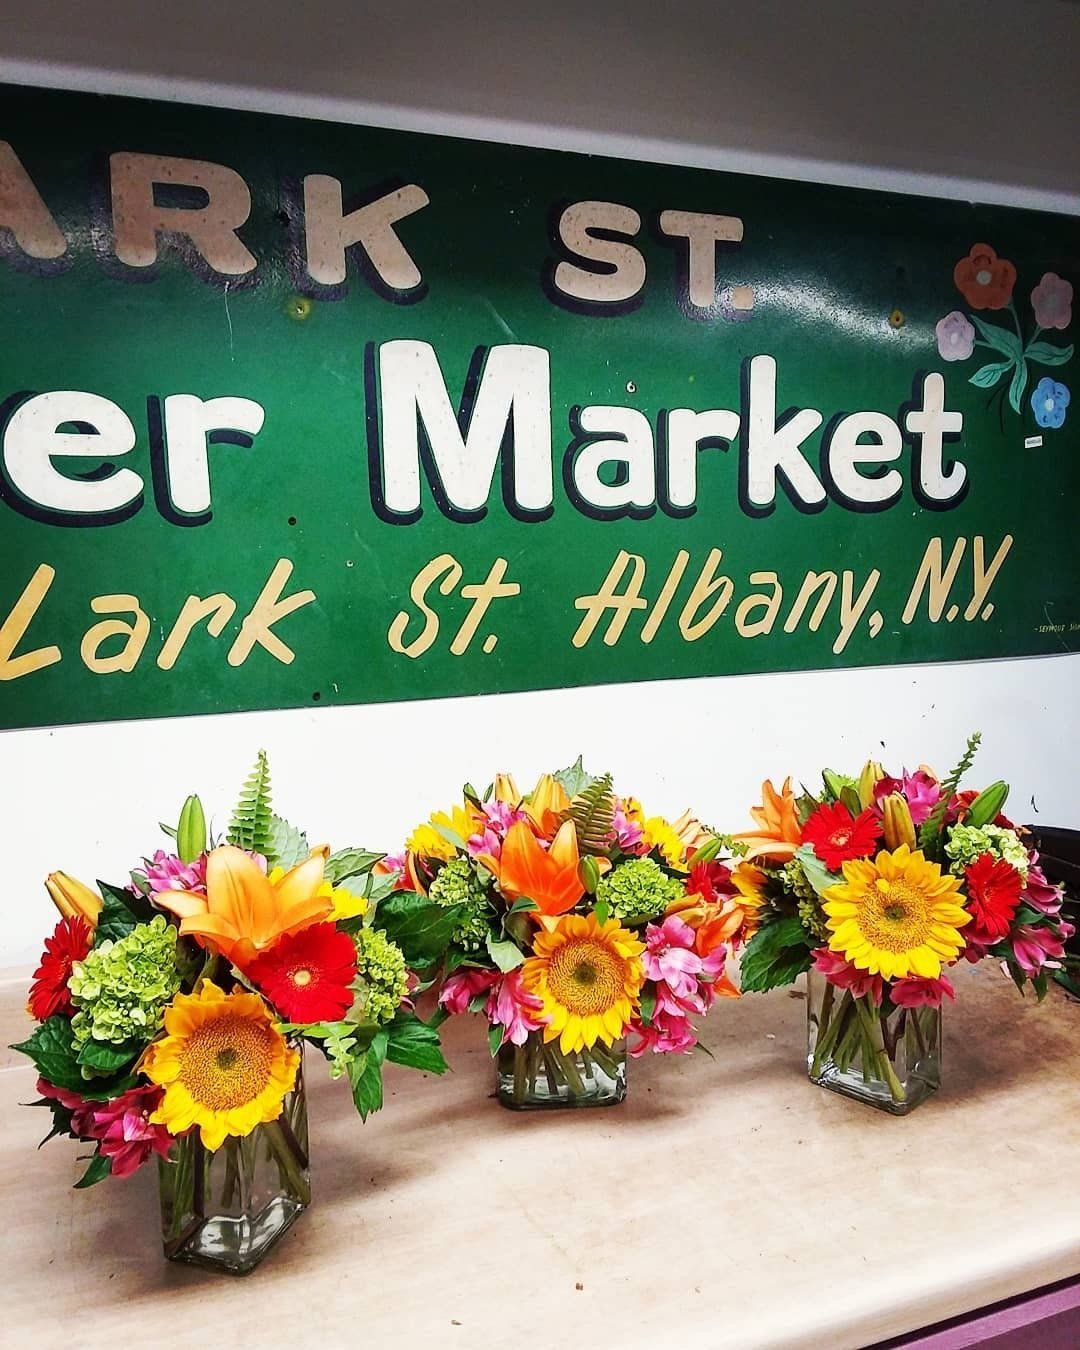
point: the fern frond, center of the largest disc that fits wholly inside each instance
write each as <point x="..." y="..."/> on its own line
<point x="593" y="814"/>
<point x="930" y="830"/>
<point x="252" y="823"/>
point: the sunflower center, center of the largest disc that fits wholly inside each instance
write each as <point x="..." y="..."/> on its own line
<point x="586" y="977"/>
<point x="896" y="916"/>
<point x="226" y="1062"/>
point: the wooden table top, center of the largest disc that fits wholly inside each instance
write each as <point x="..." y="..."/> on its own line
<point x="727" y="1203"/>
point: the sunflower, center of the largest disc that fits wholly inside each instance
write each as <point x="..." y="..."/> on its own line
<point x="223" y="1064"/>
<point x="587" y="976"/>
<point x="896" y="916"/>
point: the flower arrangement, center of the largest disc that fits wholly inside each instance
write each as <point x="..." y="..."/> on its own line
<point x="582" y="920"/>
<point x="172" y="1011"/>
<point x="987" y="283"/>
<point x="878" y="885"/>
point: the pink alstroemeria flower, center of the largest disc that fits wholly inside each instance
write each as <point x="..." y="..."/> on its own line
<point x="919" y="790"/>
<point x="1038" y="949"/>
<point x="628" y="833"/>
<point x="498" y="817"/>
<point x="915" y="992"/>
<point x="1038" y="892"/>
<point x="667" y="1034"/>
<point x="670" y="956"/>
<point x="121" y="1126"/>
<point x="165" y="872"/>
<point x="510" y="1007"/>
<point x="463" y="986"/>
<point x="844" y="975"/>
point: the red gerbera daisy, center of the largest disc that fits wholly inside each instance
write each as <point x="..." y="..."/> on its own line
<point x="837" y="837"/>
<point x="70" y="942"/>
<point x="993" y="888"/>
<point x="710" y="880"/>
<point x="306" y="975"/>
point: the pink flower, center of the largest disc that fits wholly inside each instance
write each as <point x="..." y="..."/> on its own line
<point x="667" y="1034"/>
<point x="955" y="337"/>
<point x="498" y="817"/>
<point x="846" y="976"/>
<point x="1037" y="948"/>
<point x="165" y="872"/>
<point x="919" y="790"/>
<point x="698" y="998"/>
<point x="462" y="987"/>
<point x="1038" y="892"/>
<point x="915" y="992"/>
<point x="670" y="956"/>
<point x="628" y="833"/>
<point x="1052" y="301"/>
<point x="121" y="1126"/>
<point x="510" y="1007"/>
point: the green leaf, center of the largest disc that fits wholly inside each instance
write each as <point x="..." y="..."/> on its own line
<point x="105" y="1058"/>
<point x="170" y="830"/>
<point x="817" y="874"/>
<point x="648" y="1005"/>
<point x="52" y="1050"/>
<point x="774" y="956"/>
<point x="601" y="910"/>
<point x="495" y="1038"/>
<point x="849" y="796"/>
<point x="191" y="830"/>
<point x="1001" y="339"/>
<point x="116" y="919"/>
<point x="575" y="779"/>
<point x="416" y="1045"/>
<point x="522" y="906"/>
<point x="289" y="845"/>
<point x="1046" y="354"/>
<point x="452" y="837"/>
<point x="250" y="826"/>
<point x="99" y="1169"/>
<point x="506" y="955"/>
<point x="1019" y="384"/>
<point x="421" y="928"/>
<point x="365" y="1079"/>
<point x="987" y="376"/>
<point x="593" y="814"/>
<point x="350" y="862"/>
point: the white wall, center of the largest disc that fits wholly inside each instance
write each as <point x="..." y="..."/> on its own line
<point x="958" y="99"/>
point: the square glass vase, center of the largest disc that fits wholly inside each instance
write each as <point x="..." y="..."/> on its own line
<point x="538" y="1077"/>
<point x="226" y="1208"/>
<point x="886" y="1056"/>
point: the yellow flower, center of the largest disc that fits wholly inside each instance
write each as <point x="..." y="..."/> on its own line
<point x="658" y="833"/>
<point x="588" y="977"/>
<point x="346" y="904"/>
<point x="896" y="916"/>
<point x="547" y="805"/>
<point x="223" y="1064"/>
<point x="427" y="840"/>
<point x="749" y="881"/>
<point x="506" y="790"/>
<point x="72" y="898"/>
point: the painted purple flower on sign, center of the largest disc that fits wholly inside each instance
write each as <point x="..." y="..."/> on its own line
<point x="1049" y="402"/>
<point x="955" y="337"/>
<point x="1052" y="301"/>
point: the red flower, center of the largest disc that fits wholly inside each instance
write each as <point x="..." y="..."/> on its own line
<point x="993" y="888"/>
<point x="306" y="975"/>
<point x="983" y="279"/>
<point x="961" y="804"/>
<point x="70" y="942"/>
<point x="710" y="880"/>
<point x="837" y="838"/>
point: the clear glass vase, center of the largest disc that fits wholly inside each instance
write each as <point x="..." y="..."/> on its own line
<point x="535" y="1076"/>
<point x="885" y="1056"/>
<point x="225" y="1209"/>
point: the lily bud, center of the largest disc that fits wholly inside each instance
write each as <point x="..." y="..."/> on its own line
<point x="72" y="898"/>
<point x="506" y="789"/>
<point x="589" y="873"/>
<point x="191" y="831"/>
<point x="899" y="828"/>
<point x="987" y="805"/>
<point x="872" y="774"/>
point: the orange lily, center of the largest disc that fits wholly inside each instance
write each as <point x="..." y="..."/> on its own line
<point x="524" y="869"/>
<point x="779" y="833"/>
<point x="244" y="911"/>
<point x="548" y="803"/>
<point x="72" y="898"/>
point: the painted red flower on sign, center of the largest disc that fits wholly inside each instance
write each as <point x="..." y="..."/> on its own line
<point x="985" y="280"/>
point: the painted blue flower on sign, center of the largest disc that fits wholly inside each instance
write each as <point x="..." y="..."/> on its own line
<point x="1049" y="402"/>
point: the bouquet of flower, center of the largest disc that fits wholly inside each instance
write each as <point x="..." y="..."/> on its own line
<point x="878" y="885"/>
<point x="582" y="920"/>
<point x="172" y="1011"/>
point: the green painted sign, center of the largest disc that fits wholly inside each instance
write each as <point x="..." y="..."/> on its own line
<point x="294" y="412"/>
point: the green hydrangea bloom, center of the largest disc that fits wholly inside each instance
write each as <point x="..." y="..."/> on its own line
<point x="122" y="988"/>
<point x="966" y="842"/>
<point x="459" y="884"/>
<point x="381" y="974"/>
<point x="638" y="889"/>
<point x="808" y="903"/>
